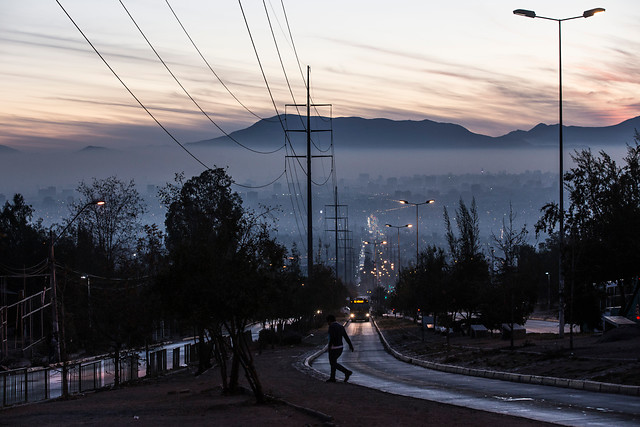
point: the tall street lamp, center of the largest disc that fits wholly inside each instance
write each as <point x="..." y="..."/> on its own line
<point x="86" y="276"/>
<point x="398" y="227"/>
<point x="548" y="291"/>
<point x="417" y="205"/>
<point x="585" y="14"/>
<point x="61" y="355"/>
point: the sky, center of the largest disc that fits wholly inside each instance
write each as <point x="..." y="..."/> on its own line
<point x="467" y="62"/>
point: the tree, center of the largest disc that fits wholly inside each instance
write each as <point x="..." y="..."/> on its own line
<point x="512" y="293"/>
<point x="113" y="227"/>
<point x="225" y="269"/>
<point x="21" y="240"/>
<point x="468" y="271"/>
<point x="100" y="240"/>
<point x="603" y="228"/>
<point x="424" y="287"/>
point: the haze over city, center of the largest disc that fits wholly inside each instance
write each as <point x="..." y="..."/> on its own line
<point x="471" y="64"/>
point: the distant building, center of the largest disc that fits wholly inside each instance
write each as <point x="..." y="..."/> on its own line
<point x="46" y="192"/>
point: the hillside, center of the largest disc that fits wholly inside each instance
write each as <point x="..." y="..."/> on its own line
<point x="356" y="132"/>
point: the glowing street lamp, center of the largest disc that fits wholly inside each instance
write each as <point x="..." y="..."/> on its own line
<point x="585" y="14"/>
<point x="417" y="205"/>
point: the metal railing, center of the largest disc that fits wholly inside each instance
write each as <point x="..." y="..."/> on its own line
<point x="20" y="386"/>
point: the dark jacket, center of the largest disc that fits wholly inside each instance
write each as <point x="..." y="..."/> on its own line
<point x="336" y="334"/>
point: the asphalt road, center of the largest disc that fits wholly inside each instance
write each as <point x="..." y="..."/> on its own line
<point x="375" y="368"/>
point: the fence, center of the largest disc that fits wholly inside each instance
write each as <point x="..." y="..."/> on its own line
<point x="36" y="384"/>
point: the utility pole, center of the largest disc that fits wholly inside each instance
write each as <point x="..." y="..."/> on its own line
<point x="309" y="182"/>
<point x="309" y="156"/>
<point x="340" y="220"/>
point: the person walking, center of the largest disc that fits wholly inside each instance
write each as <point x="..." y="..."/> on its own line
<point x="336" y="334"/>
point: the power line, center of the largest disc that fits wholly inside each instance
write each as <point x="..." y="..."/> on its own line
<point x="292" y="197"/>
<point x="211" y="68"/>
<point x="265" y="185"/>
<point x="140" y="102"/>
<point x="264" y="76"/>
<point x="284" y="71"/>
<point x="187" y="92"/>
<point x="129" y="90"/>
<point x="295" y="51"/>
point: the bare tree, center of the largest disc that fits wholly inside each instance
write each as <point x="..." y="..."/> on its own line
<point x="113" y="226"/>
<point x="509" y="242"/>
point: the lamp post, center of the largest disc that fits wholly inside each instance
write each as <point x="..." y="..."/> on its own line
<point x="398" y="227"/>
<point x="375" y="244"/>
<point x="86" y="276"/>
<point x="60" y="345"/>
<point x="585" y="14"/>
<point x="417" y="205"/>
<point x="548" y="291"/>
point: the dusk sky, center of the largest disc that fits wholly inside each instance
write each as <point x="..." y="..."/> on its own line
<point x="468" y="62"/>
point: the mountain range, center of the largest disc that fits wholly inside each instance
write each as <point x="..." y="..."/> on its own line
<point x="356" y="132"/>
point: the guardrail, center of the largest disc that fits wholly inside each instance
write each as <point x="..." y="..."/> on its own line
<point x="27" y="385"/>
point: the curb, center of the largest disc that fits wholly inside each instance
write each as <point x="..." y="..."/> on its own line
<point x="588" y="385"/>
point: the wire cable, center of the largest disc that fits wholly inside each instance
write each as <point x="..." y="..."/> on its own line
<point x="284" y="71"/>
<point x="187" y="92"/>
<point x="133" y="95"/>
<point x="265" y="185"/>
<point x="295" y="51"/>
<point x="266" y="82"/>
<point x="294" y="201"/>
<point x="211" y="68"/>
<point x="129" y="90"/>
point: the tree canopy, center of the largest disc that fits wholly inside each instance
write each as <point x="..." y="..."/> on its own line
<point x="602" y="226"/>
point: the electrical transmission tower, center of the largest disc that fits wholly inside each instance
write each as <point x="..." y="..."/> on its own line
<point x="309" y="131"/>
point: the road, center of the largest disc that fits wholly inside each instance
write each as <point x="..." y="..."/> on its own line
<point x="375" y="368"/>
<point x="544" y="327"/>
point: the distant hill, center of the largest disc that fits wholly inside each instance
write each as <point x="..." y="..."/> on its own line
<point x="93" y="149"/>
<point x="356" y="132"/>
<point x="6" y="150"/>
<point x="543" y="134"/>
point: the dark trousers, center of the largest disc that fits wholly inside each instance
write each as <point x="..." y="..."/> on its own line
<point x="334" y="354"/>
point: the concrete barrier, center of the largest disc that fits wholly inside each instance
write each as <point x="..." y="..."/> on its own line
<point x="514" y="377"/>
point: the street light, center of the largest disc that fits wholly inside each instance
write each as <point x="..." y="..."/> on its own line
<point x="86" y="276"/>
<point x="398" y="227"/>
<point x="417" y="205"/>
<point x="375" y="244"/>
<point x="54" y="296"/>
<point x="548" y="291"/>
<point x="585" y="14"/>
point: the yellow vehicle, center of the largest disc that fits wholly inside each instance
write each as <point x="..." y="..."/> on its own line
<point x="359" y="309"/>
